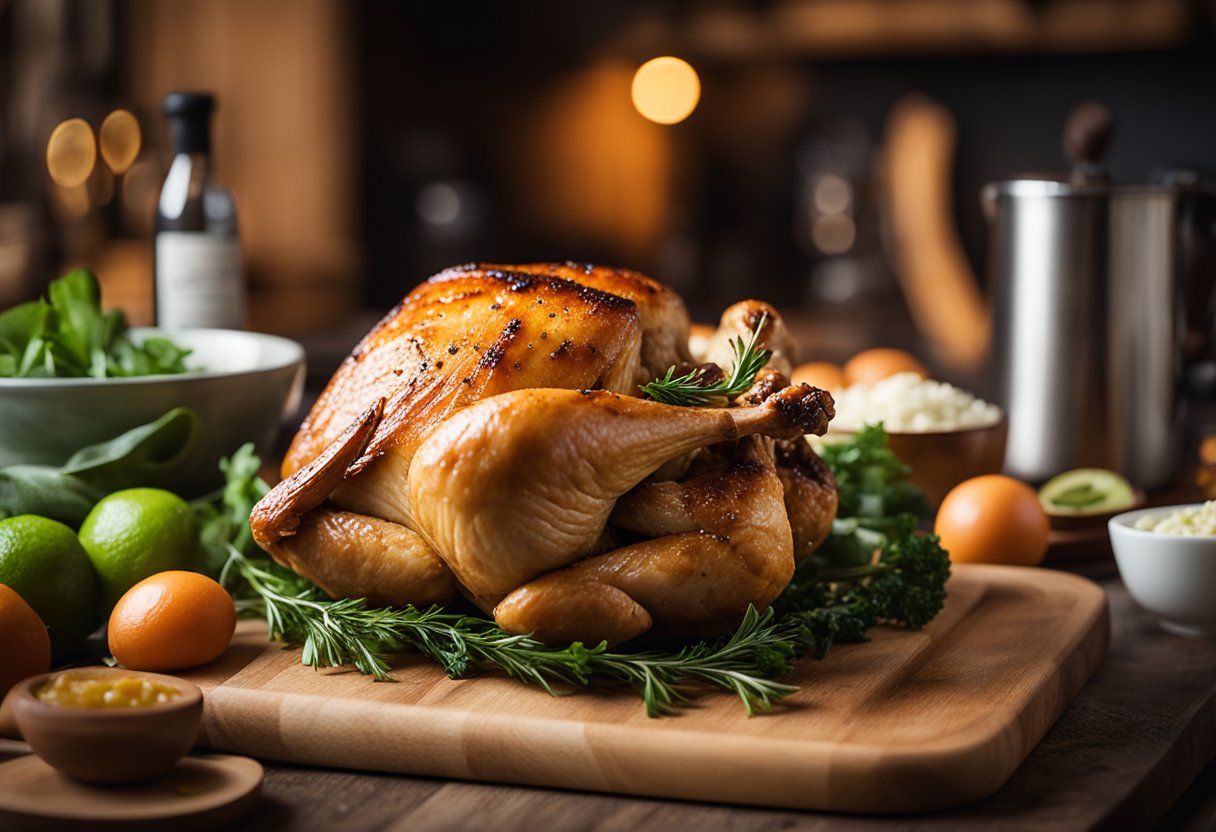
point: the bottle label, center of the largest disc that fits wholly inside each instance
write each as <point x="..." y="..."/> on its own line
<point x="199" y="281"/>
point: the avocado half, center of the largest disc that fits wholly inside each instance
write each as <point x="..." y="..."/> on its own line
<point x="1087" y="491"/>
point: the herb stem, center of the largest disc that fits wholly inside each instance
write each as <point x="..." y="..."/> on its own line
<point x="689" y="390"/>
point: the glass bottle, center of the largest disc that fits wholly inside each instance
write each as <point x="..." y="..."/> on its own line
<point x="199" y="281"/>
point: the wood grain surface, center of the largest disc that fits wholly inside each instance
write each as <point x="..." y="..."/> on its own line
<point x="908" y="722"/>
<point x="1124" y="755"/>
<point x="202" y="792"/>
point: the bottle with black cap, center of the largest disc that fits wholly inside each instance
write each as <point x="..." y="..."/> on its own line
<point x="199" y="280"/>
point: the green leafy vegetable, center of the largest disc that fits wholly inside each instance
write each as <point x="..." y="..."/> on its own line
<point x="875" y="567"/>
<point x="690" y="390"/>
<point x="46" y="491"/>
<point x="876" y="570"/>
<point x="223" y="517"/>
<point x="904" y="584"/>
<point x="69" y="336"/>
<point x="148" y="455"/>
<point x="871" y="480"/>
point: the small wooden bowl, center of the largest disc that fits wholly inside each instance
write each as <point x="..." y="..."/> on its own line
<point x="941" y="460"/>
<point x="105" y="746"/>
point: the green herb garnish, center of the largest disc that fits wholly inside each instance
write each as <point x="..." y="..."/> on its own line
<point x="873" y="569"/>
<point x="870" y="479"/>
<point x="335" y="633"/>
<point x="689" y="389"/>
<point x="68" y="336"/>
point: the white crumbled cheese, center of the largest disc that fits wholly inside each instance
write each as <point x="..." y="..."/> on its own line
<point x="1187" y="521"/>
<point x="906" y="403"/>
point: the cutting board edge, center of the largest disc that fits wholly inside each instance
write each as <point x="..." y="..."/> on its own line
<point x="773" y="772"/>
<point x="1040" y="712"/>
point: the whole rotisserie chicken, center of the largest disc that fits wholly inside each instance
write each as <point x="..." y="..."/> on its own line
<point x="488" y="437"/>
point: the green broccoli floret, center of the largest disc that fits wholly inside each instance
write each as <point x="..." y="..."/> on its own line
<point x="875" y="567"/>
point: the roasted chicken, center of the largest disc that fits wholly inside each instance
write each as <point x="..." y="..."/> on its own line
<point x="488" y="438"/>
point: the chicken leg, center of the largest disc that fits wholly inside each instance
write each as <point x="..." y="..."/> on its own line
<point x="720" y="541"/>
<point x="523" y="483"/>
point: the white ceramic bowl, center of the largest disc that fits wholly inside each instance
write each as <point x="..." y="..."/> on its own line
<point x="1172" y="576"/>
<point x="248" y="384"/>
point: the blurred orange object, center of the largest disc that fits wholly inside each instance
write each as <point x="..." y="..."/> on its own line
<point x="942" y="293"/>
<point x="25" y="646"/>
<point x="869" y="366"/>
<point x="993" y="519"/>
<point x="822" y="374"/>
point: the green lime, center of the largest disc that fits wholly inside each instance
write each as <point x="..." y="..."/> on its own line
<point x="136" y="533"/>
<point x="42" y="560"/>
<point x="1087" y="491"/>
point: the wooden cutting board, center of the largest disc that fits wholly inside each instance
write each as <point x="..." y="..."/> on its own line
<point x="911" y="721"/>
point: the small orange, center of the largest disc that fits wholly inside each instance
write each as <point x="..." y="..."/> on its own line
<point x="869" y="366"/>
<point x="25" y="645"/>
<point x="171" y="621"/>
<point x="993" y="519"/>
<point x="822" y="374"/>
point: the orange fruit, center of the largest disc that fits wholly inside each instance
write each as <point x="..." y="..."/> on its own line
<point x="993" y="519"/>
<point x="24" y="642"/>
<point x="869" y="366"/>
<point x="171" y="621"/>
<point x="822" y="374"/>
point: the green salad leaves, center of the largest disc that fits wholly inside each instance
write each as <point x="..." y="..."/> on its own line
<point x="147" y="455"/>
<point x="69" y="336"/>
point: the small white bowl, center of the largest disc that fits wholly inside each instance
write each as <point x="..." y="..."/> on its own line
<point x="1172" y="576"/>
<point x="248" y="383"/>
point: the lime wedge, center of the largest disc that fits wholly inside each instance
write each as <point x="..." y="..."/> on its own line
<point x="1087" y="491"/>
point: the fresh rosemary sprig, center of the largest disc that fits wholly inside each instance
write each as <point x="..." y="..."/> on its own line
<point x="689" y="390"/>
<point x="335" y="633"/>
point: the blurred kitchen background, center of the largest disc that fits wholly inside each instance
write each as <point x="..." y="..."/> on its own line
<point x="832" y="163"/>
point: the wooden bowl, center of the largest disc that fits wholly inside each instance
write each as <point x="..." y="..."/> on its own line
<point x="101" y="745"/>
<point x="941" y="460"/>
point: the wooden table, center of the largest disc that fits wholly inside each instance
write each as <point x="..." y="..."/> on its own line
<point x="1121" y="757"/>
<point x="1129" y="753"/>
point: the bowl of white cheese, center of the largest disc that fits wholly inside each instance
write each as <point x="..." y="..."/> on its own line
<point x="1167" y="558"/>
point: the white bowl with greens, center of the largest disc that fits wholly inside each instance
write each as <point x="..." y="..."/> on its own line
<point x="72" y="376"/>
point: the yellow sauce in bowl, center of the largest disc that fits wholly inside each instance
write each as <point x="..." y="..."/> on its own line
<point x="81" y="690"/>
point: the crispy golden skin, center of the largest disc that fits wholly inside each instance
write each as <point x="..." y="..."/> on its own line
<point x="466" y="334"/>
<point x="487" y="437"/>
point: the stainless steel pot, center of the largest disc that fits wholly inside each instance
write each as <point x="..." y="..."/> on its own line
<point x="1102" y="312"/>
